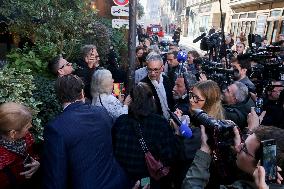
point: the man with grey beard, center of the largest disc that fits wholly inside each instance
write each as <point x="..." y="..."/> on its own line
<point x="180" y="96"/>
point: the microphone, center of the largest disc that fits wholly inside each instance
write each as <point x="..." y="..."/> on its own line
<point x="182" y="56"/>
<point x="184" y="129"/>
<point x="199" y="38"/>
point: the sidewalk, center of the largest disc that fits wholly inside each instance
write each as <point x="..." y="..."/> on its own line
<point x="187" y="44"/>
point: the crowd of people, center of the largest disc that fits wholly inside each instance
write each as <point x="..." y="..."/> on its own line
<point x="133" y="141"/>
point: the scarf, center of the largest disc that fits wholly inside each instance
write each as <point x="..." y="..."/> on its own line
<point x="160" y="89"/>
<point x="18" y="146"/>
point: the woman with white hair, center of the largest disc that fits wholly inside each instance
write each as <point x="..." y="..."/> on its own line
<point x="101" y="91"/>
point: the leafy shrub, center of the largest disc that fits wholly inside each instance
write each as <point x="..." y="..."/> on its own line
<point x="17" y="86"/>
<point x="35" y="58"/>
<point x="45" y="93"/>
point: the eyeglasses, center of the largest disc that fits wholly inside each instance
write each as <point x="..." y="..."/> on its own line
<point x="156" y="70"/>
<point x="65" y="64"/>
<point x="245" y="150"/>
<point x="195" y="98"/>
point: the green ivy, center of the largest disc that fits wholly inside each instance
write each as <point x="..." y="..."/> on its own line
<point x="50" y="107"/>
<point x="17" y="86"/>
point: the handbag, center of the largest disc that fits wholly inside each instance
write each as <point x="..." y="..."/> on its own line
<point x="155" y="167"/>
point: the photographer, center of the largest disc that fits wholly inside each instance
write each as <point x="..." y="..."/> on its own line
<point x="247" y="160"/>
<point x="241" y="66"/>
<point x="240" y="48"/>
<point x="176" y="36"/>
<point x="229" y="42"/>
<point x="274" y="109"/>
<point x="237" y="103"/>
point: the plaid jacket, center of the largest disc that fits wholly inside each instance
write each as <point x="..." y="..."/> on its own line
<point x="159" y="139"/>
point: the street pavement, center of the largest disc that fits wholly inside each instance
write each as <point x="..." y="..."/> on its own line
<point x="186" y="44"/>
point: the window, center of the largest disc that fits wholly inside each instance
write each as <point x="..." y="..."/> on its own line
<point x="269" y="31"/>
<point x="274" y="34"/>
<point x="252" y="27"/>
<point x="243" y="27"/>
<point x="247" y="31"/>
<point x="243" y="15"/>
<point x="282" y="27"/>
<point x="235" y="16"/>
<point x="275" y="13"/>
<point x="260" y="25"/>
<point x="252" y="15"/>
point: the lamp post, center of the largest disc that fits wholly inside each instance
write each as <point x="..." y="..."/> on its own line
<point x="132" y="43"/>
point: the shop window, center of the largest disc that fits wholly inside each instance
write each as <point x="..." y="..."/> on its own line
<point x="282" y="27"/>
<point x="247" y="31"/>
<point x="252" y="15"/>
<point x="252" y="27"/>
<point x="275" y="28"/>
<point x="238" y="29"/>
<point x="276" y="13"/>
<point x="269" y="31"/>
<point x="235" y="16"/>
<point x="260" y="25"/>
<point x="243" y="15"/>
<point x="243" y="27"/>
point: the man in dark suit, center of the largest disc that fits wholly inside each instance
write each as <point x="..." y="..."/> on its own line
<point x="160" y="84"/>
<point x="78" y="144"/>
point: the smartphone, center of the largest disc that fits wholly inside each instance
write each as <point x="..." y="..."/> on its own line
<point x="118" y="89"/>
<point x="268" y="160"/>
<point x="144" y="181"/>
<point x="258" y="106"/>
<point x="27" y="160"/>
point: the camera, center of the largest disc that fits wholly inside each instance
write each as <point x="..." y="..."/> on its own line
<point x="220" y="139"/>
<point x="210" y="41"/>
<point x="216" y="72"/>
<point x="220" y="132"/>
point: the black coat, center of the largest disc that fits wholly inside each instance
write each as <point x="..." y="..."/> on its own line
<point x="85" y="73"/>
<point x="238" y="112"/>
<point x="168" y="88"/>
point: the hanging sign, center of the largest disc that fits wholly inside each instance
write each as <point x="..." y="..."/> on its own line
<point x="121" y="2"/>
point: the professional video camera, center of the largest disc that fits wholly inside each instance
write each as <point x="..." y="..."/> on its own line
<point x="220" y="139"/>
<point x="216" y="72"/>
<point x="211" y="41"/>
<point x="164" y="46"/>
<point x="254" y="39"/>
<point x="269" y="67"/>
<point x="220" y="132"/>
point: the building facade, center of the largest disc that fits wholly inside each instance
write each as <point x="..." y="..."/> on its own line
<point x="265" y="18"/>
<point x="205" y="14"/>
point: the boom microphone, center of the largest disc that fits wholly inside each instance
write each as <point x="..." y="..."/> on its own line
<point x="199" y="38"/>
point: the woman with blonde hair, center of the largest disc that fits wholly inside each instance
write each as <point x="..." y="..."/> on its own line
<point x="17" y="160"/>
<point x="206" y="95"/>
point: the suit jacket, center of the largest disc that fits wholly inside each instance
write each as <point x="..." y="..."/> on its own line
<point x="78" y="150"/>
<point x="168" y="89"/>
